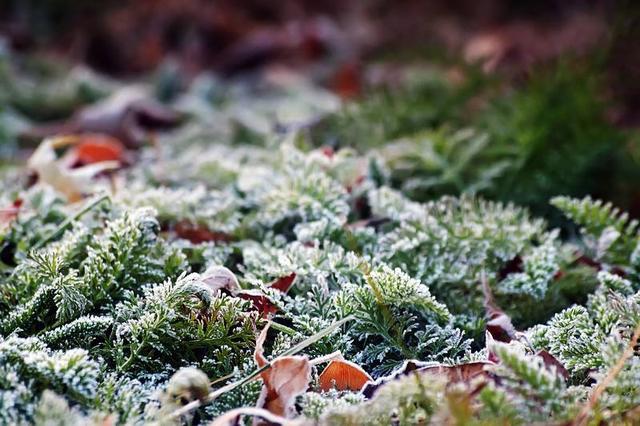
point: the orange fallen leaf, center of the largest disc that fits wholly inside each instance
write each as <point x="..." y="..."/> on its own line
<point x="283" y="381"/>
<point x="94" y="148"/>
<point x="343" y="375"/>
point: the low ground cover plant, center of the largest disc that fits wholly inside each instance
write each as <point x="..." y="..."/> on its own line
<point x="241" y="268"/>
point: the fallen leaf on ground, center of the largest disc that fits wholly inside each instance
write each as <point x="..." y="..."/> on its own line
<point x="343" y="375"/>
<point x="218" y="277"/>
<point x="551" y="361"/>
<point x="94" y="148"/>
<point x="459" y="373"/>
<point x="283" y="284"/>
<point x="261" y="302"/>
<point x="73" y="183"/>
<point x="283" y="381"/>
<point x="499" y="323"/>
<point x="407" y="367"/>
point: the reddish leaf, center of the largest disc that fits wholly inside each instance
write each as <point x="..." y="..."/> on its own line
<point x="452" y="373"/>
<point x="8" y="214"/>
<point x="343" y="375"/>
<point x="261" y="302"/>
<point x="198" y="234"/>
<point x="94" y="148"/>
<point x="461" y="372"/>
<point x="283" y="284"/>
<point x="347" y="82"/>
<point x="551" y="361"/>
<point x="407" y="367"/>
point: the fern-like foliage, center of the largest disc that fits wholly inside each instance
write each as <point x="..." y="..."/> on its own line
<point x="125" y="256"/>
<point x="301" y="192"/>
<point x="397" y="319"/>
<point x="215" y="210"/>
<point x="578" y="334"/>
<point x="29" y="367"/>
<point x="447" y="243"/>
<point x="103" y="309"/>
<point x="533" y="389"/>
<point x="185" y="317"/>
<point x="611" y="234"/>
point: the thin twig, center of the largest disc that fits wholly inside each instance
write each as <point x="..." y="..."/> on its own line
<point x="582" y="418"/>
<point x="64" y="225"/>
<point x="326" y="358"/>
<point x="231" y="386"/>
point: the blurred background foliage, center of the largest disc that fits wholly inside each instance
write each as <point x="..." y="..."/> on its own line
<point x="515" y="101"/>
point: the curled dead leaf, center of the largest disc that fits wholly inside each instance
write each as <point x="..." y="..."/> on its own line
<point x="285" y="379"/>
<point x="459" y="373"/>
<point x="218" y="277"/>
<point x="499" y="323"/>
<point x="343" y="375"/>
<point x="73" y="183"/>
<point x="407" y="367"/>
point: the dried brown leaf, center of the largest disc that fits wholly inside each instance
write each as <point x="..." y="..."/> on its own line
<point x="498" y="322"/>
<point x="286" y="378"/>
